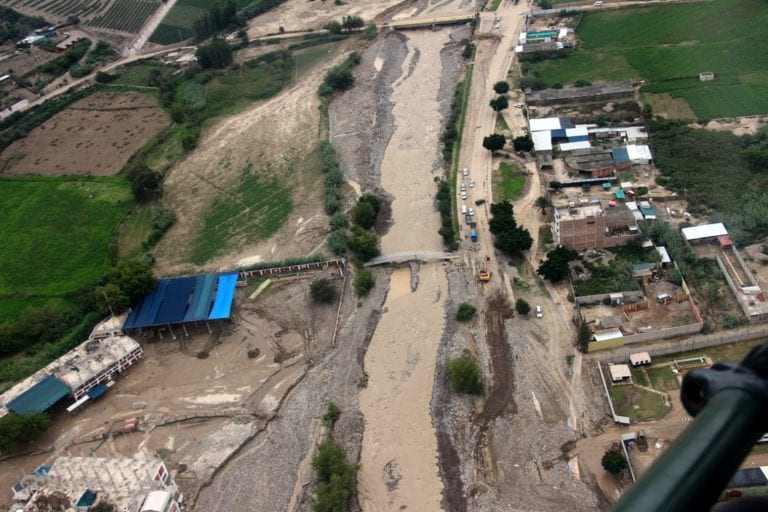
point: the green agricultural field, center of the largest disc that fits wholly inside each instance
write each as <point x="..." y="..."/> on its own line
<point x="669" y="45"/>
<point x="510" y="184"/>
<point x="56" y="235"/>
<point x="122" y="15"/>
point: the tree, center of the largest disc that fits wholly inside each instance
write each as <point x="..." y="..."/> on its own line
<point x="364" y="215"/>
<point x="104" y="78"/>
<point x="494" y="142"/>
<point x="16" y="429"/>
<point x="217" y="54"/>
<point x="133" y="277"/>
<point x="363" y="243"/>
<point x="113" y="297"/>
<point x="614" y="462"/>
<point x="464" y="375"/>
<point x="145" y="183"/>
<point x="545" y="4"/>
<point x="522" y="307"/>
<point x="501" y="87"/>
<point x="335" y="476"/>
<point x="523" y="143"/>
<point x="647" y="111"/>
<point x="466" y="312"/>
<point x="542" y="203"/>
<point x="583" y="336"/>
<point x="350" y="23"/>
<point x="370" y="31"/>
<point x="555" y="267"/>
<point x="337" y="241"/>
<point x="364" y="282"/>
<point x="499" y="104"/>
<point x="581" y="83"/>
<point x="323" y="291"/>
<point x="333" y="27"/>
<point x="508" y="236"/>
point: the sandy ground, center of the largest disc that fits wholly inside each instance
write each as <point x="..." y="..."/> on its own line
<point x="399" y="469"/>
<point x="96" y="135"/>
<point x="737" y="126"/>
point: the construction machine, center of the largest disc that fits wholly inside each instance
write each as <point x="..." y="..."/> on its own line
<point x="485" y="274"/>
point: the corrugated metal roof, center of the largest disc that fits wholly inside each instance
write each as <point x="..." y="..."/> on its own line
<point x="639" y="152"/>
<point x="39" y="397"/>
<point x="605" y="336"/>
<point x="571" y="146"/>
<point x="542" y="141"/>
<point x="705" y="231"/>
<point x="547" y="123"/>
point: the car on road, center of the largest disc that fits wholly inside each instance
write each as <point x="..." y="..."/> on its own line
<point x="478" y="202"/>
<point x="539" y="312"/>
<point x="471" y="212"/>
<point x="463" y="194"/>
<point x="519" y="105"/>
<point x="466" y="172"/>
<point x="471" y="183"/>
<point x="463" y="209"/>
<point x="463" y="187"/>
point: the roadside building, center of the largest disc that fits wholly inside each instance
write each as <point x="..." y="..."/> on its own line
<point x="142" y="484"/>
<point x="639" y="359"/>
<point x="594" y="226"/>
<point x="549" y="131"/>
<point x="620" y="373"/>
<point x="706" y="233"/>
<point x="84" y="373"/>
<point x="747" y="482"/>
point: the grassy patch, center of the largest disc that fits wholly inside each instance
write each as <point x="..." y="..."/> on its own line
<point x="501" y="123"/>
<point x="669" y="45"/>
<point x="177" y="24"/>
<point x="511" y="182"/>
<point x="638" y="404"/>
<point x="493" y="5"/>
<point x="640" y="378"/>
<point x="254" y="209"/>
<point x="731" y="352"/>
<point x="138" y="74"/>
<point x="663" y="379"/>
<point x="62" y="225"/>
<point x="545" y="237"/>
<point x="134" y="231"/>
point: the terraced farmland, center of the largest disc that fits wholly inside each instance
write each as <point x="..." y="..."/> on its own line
<point x="669" y="45"/>
<point x="120" y="15"/>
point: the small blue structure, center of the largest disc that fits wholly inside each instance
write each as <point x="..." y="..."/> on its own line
<point x="619" y="194"/>
<point x="606" y="186"/>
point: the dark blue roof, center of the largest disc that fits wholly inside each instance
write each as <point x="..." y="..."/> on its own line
<point x="39" y="397"/>
<point x="97" y="391"/>
<point x="750" y="477"/>
<point x="87" y="499"/>
<point x="185" y="299"/>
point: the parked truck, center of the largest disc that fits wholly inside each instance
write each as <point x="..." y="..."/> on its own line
<point x="473" y="235"/>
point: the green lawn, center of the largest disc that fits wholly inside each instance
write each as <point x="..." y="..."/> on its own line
<point x="663" y="378"/>
<point x="511" y="184"/>
<point x="55" y="235"/>
<point x="545" y="237"/>
<point x="138" y="74"/>
<point x="731" y="352"/>
<point x="669" y="45"/>
<point x="639" y="378"/>
<point x="492" y="5"/>
<point x="650" y="406"/>
<point x="501" y="123"/>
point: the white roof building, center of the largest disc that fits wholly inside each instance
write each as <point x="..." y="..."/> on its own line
<point x="639" y="358"/>
<point x="606" y="336"/>
<point x="570" y="146"/>
<point x="639" y="153"/>
<point x="664" y="254"/>
<point x="704" y="231"/>
<point x="619" y="372"/>
<point x="547" y="123"/>
<point x="542" y="140"/>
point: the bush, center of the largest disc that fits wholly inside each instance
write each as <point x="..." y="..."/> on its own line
<point x="337" y="241"/>
<point x="364" y="282"/>
<point x="323" y="291"/>
<point x="340" y="78"/>
<point x="104" y="78"/>
<point x="331" y="416"/>
<point x="614" y="462"/>
<point x="464" y="375"/>
<point x="365" y="211"/>
<point x="466" y="312"/>
<point x="501" y="87"/>
<point x="445" y="206"/>
<point x="336" y="479"/>
<point x="581" y="83"/>
<point x="338" y="221"/>
<point x="80" y="70"/>
<point x="16" y="429"/>
<point x="215" y="55"/>
<point x="522" y="307"/>
<point x="363" y="244"/>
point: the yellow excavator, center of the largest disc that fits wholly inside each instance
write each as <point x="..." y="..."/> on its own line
<point x="485" y="274"/>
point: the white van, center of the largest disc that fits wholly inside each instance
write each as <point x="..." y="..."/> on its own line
<point x="539" y="313"/>
<point x="471" y="212"/>
<point x="466" y="172"/>
<point x="463" y="209"/>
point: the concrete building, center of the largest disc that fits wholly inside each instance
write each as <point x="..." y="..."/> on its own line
<point x="566" y="95"/>
<point x="705" y="233"/>
<point x="83" y="373"/>
<point x="639" y="359"/>
<point x="620" y="373"/>
<point x="594" y="162"/>
<point x="547" y="132"/>
<point x="594" y="226"/>
<point x="141" y="484"/>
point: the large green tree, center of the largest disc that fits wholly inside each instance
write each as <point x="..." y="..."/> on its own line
<point x="363" y="243"/>
<point x="523" y="143"/>
<point x="494" y="142"/>
<point x="499" y="104"/>
<point x="217" y="54"/>
<point x="555" y="267"/>
<point x="509" y="238"/>
<point x="127" y="282"/>
<point x="614" y="462"/>
<point x="464" y="375"/>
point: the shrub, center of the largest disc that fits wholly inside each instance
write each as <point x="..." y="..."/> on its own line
<point x="332" y="413"/>
<point x="363" y="243"/>
<point x="522" y="307"/>
<point x="464" y="375"/>
<point x="339" y="221"/>
<point x="336" y="479"/>
<point x="323" y="291"/>
<point x="365" y="211"/>
<point x="337" y="241"/>
<point x="21" y="428"/>
<point x="340" y="78"/>
<point x="614" y="462"/>
<point x="466" y="312"/>
<point x="501" y="87"/>
<point x="364" y="282"/>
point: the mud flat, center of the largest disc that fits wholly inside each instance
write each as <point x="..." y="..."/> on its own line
<point x="399" y="456"/>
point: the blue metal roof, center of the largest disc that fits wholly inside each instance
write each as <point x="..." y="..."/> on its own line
<point x="620" y="155"/>
<point x="185" y="299"/>
<point x="87" y="499"/>
<point x="222" y="306"/>
<point x="39" y="397"/>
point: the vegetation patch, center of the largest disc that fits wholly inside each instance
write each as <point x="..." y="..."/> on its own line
<point x="253" y="210"/>
<point x="662" y="378"/>
<point x="668" y="46"/>
<point x="511" y="182"/>
<point x="62" y="225"/>
<point x="637" y="403"/>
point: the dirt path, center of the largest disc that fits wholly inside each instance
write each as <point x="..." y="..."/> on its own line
<point x="399" y="457"/>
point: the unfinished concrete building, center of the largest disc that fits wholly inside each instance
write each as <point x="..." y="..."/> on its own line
<point x="594" y="226"/>
<point x="604" y="92"/>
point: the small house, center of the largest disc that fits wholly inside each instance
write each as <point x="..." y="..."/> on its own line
<point x="639" y="359"/>
<point x="620" y="373"/>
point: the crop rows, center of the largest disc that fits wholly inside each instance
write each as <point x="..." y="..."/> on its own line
<point x="126" y="15"/>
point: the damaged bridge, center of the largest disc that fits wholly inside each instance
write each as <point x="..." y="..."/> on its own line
<point x="406" y="257"/>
